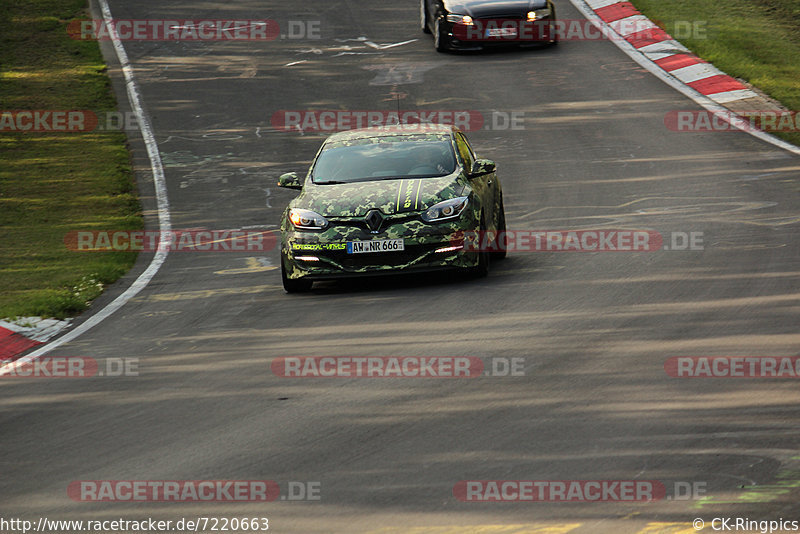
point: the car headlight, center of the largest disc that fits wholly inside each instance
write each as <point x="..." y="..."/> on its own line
<point x="307" y="219"/>
<point x="449" y="209"/>
<point x="460" y="19"/>
<point x="538" y="14"/>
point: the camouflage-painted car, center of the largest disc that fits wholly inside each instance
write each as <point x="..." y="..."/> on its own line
<point x="387" y="200"/>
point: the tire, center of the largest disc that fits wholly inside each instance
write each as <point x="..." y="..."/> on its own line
<point x="298" y="285"/>
<point x="440" y="42"/>
<point x="423" y="17"/>
<point x="484" y="257"/>
<point x="501" y="234"/>
<point x="554" y="41"/>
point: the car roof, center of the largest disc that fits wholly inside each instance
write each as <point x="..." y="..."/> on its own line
<point x="394" y="130"/>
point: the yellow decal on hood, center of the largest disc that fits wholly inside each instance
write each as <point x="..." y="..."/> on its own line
<point x="408" y="195"/>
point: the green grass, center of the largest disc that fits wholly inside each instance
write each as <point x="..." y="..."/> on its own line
<point x="51" y="183"/>
<point x="754" y="40"/>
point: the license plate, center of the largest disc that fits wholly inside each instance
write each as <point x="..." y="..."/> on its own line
<point x="501" y="32"/>
<point x="375" y="245"/>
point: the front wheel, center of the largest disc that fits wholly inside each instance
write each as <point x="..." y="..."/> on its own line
<point x="484" y="257"/>
<point x="553" y="28"/>
<point x="440" y="40"/>
<point x="502" y="236"/>
<point x="553" y="36"/>
<point x="294" y="285"/>
<point x="423" y="17"/>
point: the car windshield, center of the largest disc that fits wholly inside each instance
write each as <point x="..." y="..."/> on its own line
<point x="384" y="158"/>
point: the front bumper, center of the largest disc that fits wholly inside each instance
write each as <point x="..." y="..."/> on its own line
<point x="323" y="255"/>
<point x="508" y="32"/>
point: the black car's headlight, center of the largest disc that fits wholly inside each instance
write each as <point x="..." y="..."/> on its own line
<point x="539" y="14"/>
<point x="460" y="19"/>
<point x="307" y="219"/>
<point x="442" y="211"/>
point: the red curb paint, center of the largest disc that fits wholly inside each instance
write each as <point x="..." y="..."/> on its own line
<point x="648" y="37"/>
<point x="678" y="61"/>
<point x="620" y="10"/>
<point x="716" y="84"/>
<point x="13" y="344"/>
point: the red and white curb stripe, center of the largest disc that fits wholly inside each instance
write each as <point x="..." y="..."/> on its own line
<point x="658" y="46"/>
<point x="656" y="50"/>
<point x="25" y="333"/>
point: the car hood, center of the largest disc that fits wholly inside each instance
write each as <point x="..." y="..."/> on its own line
<point x="493" y="8"/>
<point x="390" y="196"/>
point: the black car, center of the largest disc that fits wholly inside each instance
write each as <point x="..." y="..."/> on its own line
<point x="476" y="24"/>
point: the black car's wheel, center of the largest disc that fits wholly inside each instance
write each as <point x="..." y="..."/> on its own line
<point x="423" y="17"/>
<point x="553" y="35"/>
<point x="299" y="285"/>
<point x="502" y="238"/>
<point x="553" y="31"/>
<point x="440" y="39"/>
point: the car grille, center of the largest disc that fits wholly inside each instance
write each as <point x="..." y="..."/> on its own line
<point x="376" y="259"/>
<point x="359" y="222"/>
<point x="503" y="16"/>
<point x="354" y="261"/>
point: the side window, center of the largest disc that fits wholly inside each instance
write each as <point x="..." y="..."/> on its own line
<point x="467" y="157"/>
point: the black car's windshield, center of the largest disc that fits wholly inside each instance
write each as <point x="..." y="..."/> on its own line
<point x="384" y="158"/>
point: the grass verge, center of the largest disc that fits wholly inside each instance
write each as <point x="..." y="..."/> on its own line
<point x="51" y="183"/>
<point x="754" y="40"/>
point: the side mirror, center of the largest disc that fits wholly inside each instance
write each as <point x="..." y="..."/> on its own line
<point x="483" y="166"/>
<point x="290" y="180"/>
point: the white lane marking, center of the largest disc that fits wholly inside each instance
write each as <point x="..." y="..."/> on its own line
<point x="390" y="45"/>
<point x="162" y="203"/>
<point x="693" y="73"/>
<point x="676" y="84"/>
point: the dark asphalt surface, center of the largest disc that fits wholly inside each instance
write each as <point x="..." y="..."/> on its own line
<point x="594" y="329"/>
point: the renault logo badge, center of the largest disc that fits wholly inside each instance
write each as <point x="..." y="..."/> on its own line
<point x="374" y="219"/>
